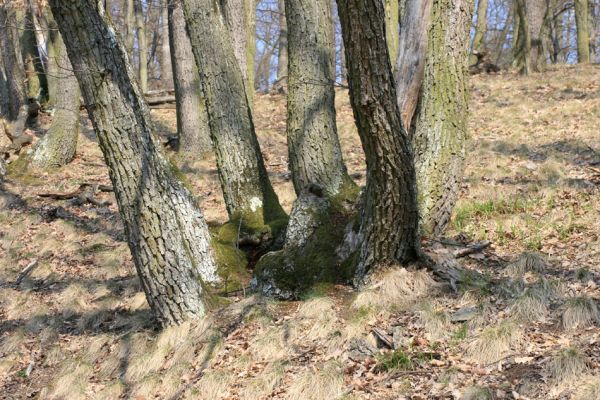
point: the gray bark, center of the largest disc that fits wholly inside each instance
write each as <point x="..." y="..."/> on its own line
<point x="166" y="232"/>
<point x="58" y="146"/>
<point x="412" y="54"/>
<point x="12" y="67"/>
<point x="166" y="69"/>
<point x="192" y="118"/>
<point x="142" y="41"/>
<point x="389" y="218"/>
<point x="440" y="125"/>
<point x="480" y="30"/>
<point x="282" y="59"/>
<point x="246" y="187"/>
<point x="583" y="31"/>
<point x="314" y="151"/>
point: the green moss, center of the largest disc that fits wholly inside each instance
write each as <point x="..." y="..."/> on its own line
<point x="180" y="176"/>
<point x="231" y="265"/>
<point x="395" y="360"/>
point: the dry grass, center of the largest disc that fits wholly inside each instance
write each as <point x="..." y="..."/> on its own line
<point x="213" y="385"/>
<point x="395" y="289"/>
<point x="435" y="321"/>
<point x="477" y="393"/>
<point x="316" y="321"/>
<point x="72" y="381"/>
<point x="269" y="345"/>
<point x="260" y="386"/>
<point x="527" y="262"/>
<point x="494" y="342"/>
<point x="589" y="389"/>
<point x="567" y="366"/>
<point x="580" y="312"/>
<point x="321" y="383"/>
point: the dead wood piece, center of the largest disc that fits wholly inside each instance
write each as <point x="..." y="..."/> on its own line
<point x="383" y="337"/>
<point x="160" y="100"/>
<point x="476" y="248"/>
<point x="26" y="271"/>
<point x="84" y="194"/>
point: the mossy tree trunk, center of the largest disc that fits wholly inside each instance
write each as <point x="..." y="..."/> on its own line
<point x="478" y="45"/>
<point x="389" y="218"/>
<point x="246" y="187"/>
<point x="412" y="54"/>
<point x="391" y="28"/>
<point x="58" y="146"/>
<point x="192" y="118"/>
<point x="440" y="125"/>
<point x="166" y="232"/>
<point x="583" y="31"/>
<point x="142" y="42"/>
<point x="240" y="20"/>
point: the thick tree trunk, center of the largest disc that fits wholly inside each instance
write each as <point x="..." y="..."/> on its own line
<point x="246" y="187"/>
<point x="166" y="232"/>
<point x="58" y="146"/>
<point x="142" y="41"/>
<point x="239" y="18"/>
<point x="192" y="118"/>
<point x="282" y="59"/>
<point x="530" y="55"/>
<point x="314" y="152"/>
<point x="412" y="55"/>
<point x="440" y="125"/>
<point x="478" y="45"/>
<point x="389" y="220"/>
<point x="391" y="28"/>
<point x="583" y="31"/>
<point x="166" y="69"/>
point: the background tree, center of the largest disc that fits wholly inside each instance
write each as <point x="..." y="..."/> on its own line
<point x="282" y="55"/>
<point x="166" y="69"/>
<point x="142" y="45"/>
<point x="391" y="27"/>
<point x="58" y="146"/>
<point x="166" y="232"/>
<point x="389" y="219"/>
<point x="480" y="30"/>
<point x="583" y="34"/>
<point x="193" y="130"/>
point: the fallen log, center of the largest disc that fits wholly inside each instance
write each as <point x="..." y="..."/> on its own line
<point x="26" y="271"/>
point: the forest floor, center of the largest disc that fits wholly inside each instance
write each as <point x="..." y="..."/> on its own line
<point x="78" y="325"/>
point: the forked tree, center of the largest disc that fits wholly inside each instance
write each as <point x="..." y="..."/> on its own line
<point x="165" y="230"/>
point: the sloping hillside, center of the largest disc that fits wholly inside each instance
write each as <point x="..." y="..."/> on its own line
<point x="78" y="325"/>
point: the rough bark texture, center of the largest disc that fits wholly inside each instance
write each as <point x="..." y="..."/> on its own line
<point x="480" y="30"/>
<point x="142" y="42"/>
<point x="34" y="70"/>
<point x="440" y="126"/>
<point x="522" y="40"/>
<point x="192" y="118"/>
<point x="246" y="186"/>
<point x="130" y="27"/>
<point x="583" y="31"/>
<point x="389" y="220"/>
<point x="412" y="54"/>
<point x="314" y="152"/>
<point x="166" y="69"/>
<point x="282" y="59"/>
<point x="530" y="56"/>
<point x="58" y="146"/>
<point x="391" y="28"/>
<point x="240" y="21"/>
<point x="12" y="68"/>
<point x="166" y="232"/>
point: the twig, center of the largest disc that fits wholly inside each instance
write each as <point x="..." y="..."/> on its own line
<point x="386" y="339"/>
<point x="26" y="271"/>
<point x="476" y="248"/>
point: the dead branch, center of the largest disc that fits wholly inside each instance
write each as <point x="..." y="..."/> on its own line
<point x="84" y="194"/>
<point x="476" y="248"/>
<point x="383" y="337"/>
<point x="26" y="271"/>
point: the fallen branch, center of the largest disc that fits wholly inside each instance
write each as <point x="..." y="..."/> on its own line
<point x="476" y="248"/>
<point x="26" y="271"/>
<point x="383" y="337"/>
<point x="84" y="194"/>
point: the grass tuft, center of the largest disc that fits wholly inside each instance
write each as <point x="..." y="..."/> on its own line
<point x="580" y="312"/>
<point x="324" y="382"/>
<point x="435" y="321"/>
<point x="590" y="390"/>
<point x="527" y="262"/>
<point x="567" y="365"/>
<point x="394" y="360"/>
<point x="478" y="393"/>
<point x="494" y="342"/>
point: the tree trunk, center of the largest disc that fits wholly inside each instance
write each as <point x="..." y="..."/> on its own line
<point x="530" y="56"/>
<point x="166" y="69"/>
<point x="246" y="187"/>
<point x="412" y="54"/>
<point x="389" y="220"/>
<point x="522" y="43"/>
<point x="37" y="87"/>
<point x="12" y="68"/>
<point x="240" y="21"/>
<point x="391" y="28"/>
<point x="166" y="232"/>
<point x="282" y="59"/>
<point x="58" y="146"/>
<point x="583" y="31"/>
<point x="504" y="34"/>
<point x="480" y="30"/>
<point x="440" y="125"/>
<point x="192" y="118"/>
<point x="314" y="152"/>
<point x="130" y="27"/>
<point x="142" y="41"/>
